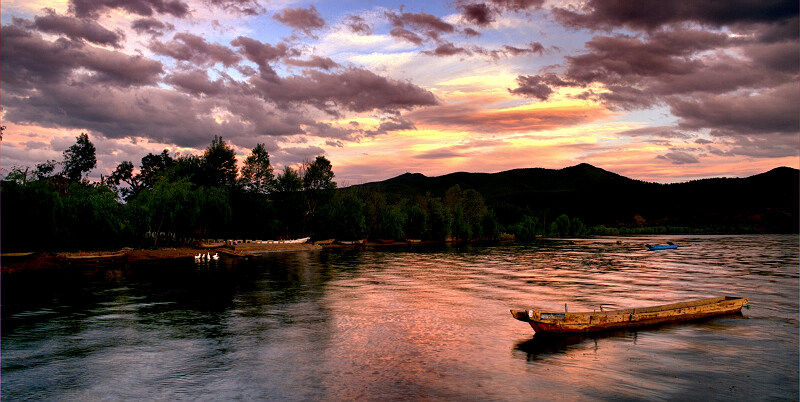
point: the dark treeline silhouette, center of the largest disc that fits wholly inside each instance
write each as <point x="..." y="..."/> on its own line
<point x="173" y="199"/>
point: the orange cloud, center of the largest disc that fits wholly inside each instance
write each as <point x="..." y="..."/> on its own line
<point x="473" y="116"/>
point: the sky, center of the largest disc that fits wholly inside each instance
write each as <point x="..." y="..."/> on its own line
<point x="663" y="91"/>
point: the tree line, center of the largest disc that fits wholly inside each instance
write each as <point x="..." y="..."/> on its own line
<point x="173" y="198"/>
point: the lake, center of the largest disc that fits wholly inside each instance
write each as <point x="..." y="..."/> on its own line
<point x="404" y="322"/>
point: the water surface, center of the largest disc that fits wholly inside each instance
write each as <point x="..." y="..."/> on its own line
<point x="407" y="323"/>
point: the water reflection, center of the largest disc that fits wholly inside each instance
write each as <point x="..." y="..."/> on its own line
<point x="406" y="323"/>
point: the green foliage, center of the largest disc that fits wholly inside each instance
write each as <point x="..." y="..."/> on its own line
<point x="416" y="222"/>
<point x="218" y="164"/>
<point x="526" y="229"/>
<point x="257" y="172"/>
<point x="344" y="217"/>
<point x="561" y="227"/>
<point x="440" y="222"/>
<point x="79" y="159"/>
<point x="288" y="200"/>
<point x="29" y="215"/>
<point x="391" y="223"/>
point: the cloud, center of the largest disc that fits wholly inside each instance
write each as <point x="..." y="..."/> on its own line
<point x="405" y="34"/>
<point x="772" y="111"/>
<point x="483" y="13"/>
<point x="352" y="89"/>
<point x="77" y="29"/>
<point x="305" y="20"/>
<point x="679" y="157"/>
<point x="447" y="49"/>
<point x="475" y="116"/>
<point x="358" y="25"/>
<point x="243" y="7"/>
<point x="605" y="15"/>
<point x="144" y="8"/>
<point x="325" y="63"/>
<point x="195" y="82"/>
<point x="538" y="86"/>
<point x="263" y="53"/>
<point x="429" y="24"/>
<point x="29" y="60"/>
<point x="194" y="49"/>
<point x="151" y="26"/>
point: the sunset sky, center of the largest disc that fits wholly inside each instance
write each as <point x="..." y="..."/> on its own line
<point x="660" y="91"/>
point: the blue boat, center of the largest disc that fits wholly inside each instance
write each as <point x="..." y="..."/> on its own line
<point x="669" y="246"/>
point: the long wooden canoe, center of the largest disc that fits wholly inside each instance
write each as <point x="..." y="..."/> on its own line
<point x="582" y="322"/>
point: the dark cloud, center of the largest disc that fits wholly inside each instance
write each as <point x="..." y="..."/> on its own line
<point x="393" y="123"/>
<point x="357" y="25"/>
<point x="263" y="53"/>
<point x="538" y="86"/>
<point x="656" y="131"/>
<point x="483" y="13"/>
<point x="479" y="14"/>
<point x="151" y="26"/>
<point x="65" y="83"/>
<point x="77" y="29"/>
<point x="195" y="82"/>
<point x="195" y="49"/>
<point x="29" y="59"/>
<point x="606" y="15"/>
<point x="679" y="157"/>
<point x="305" y="20"/>
<point x="511" y="51"/>
<point x="406" y="35"/>
<point x="324" y="63"/>
<point x="471" y="33"/>
<point x="352" y="89"/>
<point x="145" y="8"/>
<point x="428" y="24"/>
<point x="447" y="49"/>
<point x="771" y="111"/>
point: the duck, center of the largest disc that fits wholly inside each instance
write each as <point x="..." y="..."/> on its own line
<point x="215" y="256"/>
<point x="197" y="257"/>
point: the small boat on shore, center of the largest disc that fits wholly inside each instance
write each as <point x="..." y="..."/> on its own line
<point x="594" y="321"/>
<point x="669" y="246"/>
<point x="93" y="256"/>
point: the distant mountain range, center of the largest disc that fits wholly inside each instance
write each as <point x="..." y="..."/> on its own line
<point x="767" y="202"/>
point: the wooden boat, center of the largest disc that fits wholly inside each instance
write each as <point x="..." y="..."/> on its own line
<point x="93" y="257"/>
<point x="352" y="242"/>
<point x="582" y="322"/>
<point x="669" y="246"/>
<point x="325" y="242"/>
<point x="215" y="244"/>
<point x="16" y="255"/>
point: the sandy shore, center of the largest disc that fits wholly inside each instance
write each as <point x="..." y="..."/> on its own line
<point x="31" y="261"/>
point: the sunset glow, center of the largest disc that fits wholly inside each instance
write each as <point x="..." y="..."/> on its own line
<point x="384" y="89"/>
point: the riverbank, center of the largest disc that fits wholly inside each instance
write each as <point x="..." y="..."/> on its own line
<point x="16" y="262"/>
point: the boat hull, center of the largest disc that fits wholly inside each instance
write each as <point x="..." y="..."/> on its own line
<point x="583" y="322"/>
<point x="655" y="247"/>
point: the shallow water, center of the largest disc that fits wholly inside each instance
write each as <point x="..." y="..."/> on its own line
<point x="407" y="323"/>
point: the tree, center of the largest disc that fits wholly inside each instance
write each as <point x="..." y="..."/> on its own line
<point x="440" y="220"/>
<point x="152" y="166"/>
<point x="416" y="222"/>
<point x="219" y="164"/>
<point x="318" y="184"/>
<point x="257" y="172"/>
<point x="288" y="200"/>
<point x="561" y="226"/>
<point x="79" y="159"/>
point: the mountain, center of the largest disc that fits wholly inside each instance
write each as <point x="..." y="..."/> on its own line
<point x="764" y="202"/>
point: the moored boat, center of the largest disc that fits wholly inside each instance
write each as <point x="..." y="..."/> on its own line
<point x="93" y="256"/>
<point x="669" y="246"/>
<point x="594" y="321"/>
